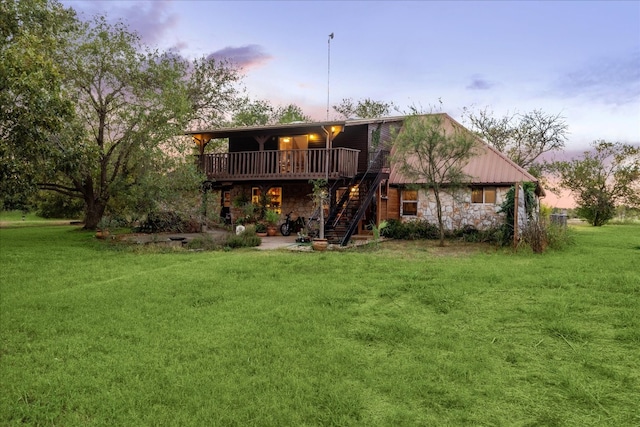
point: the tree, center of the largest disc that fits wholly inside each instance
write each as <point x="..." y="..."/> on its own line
<point x="320" y="197"/>
<point x="130" y="102"/>
<point x="522" y="137"/>
<point x="253" y="113"/>
<point x="261" y="113"/>
<point x="602" y="179"/>
<point x="32" y="100"/>
<point x="212" y="90"/>
<point x="433" y="157"/>
<point x="289" y="114"/>
<point x="363" y="109"/>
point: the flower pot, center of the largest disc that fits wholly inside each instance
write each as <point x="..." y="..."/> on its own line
<point x="319" y="244"/>
<point x="102" y="234"/>
<point x="262" y="234"/>
<point x="272" y="230"/>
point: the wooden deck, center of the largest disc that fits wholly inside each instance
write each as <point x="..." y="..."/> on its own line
<point x="320" y="163"/>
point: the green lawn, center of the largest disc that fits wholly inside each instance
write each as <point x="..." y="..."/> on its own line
<point x="399" y="336"/>
<point x="16" y="219"/>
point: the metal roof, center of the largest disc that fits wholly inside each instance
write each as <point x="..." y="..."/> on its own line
<point x="290" y="128"/>
<point x="488" y="167"/>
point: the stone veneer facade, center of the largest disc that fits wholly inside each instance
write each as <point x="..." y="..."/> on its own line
<point x="458" y="211"/>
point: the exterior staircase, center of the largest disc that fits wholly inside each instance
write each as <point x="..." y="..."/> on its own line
<point x="342" y="221"/>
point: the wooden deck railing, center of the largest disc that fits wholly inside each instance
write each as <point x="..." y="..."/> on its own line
<point x="283" y="164"/>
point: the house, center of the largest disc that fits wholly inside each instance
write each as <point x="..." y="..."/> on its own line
<point x="353" y="156"/>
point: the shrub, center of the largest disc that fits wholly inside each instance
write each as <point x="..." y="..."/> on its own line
<point x="192" y="225"/>
<point x="204" y="242"/>
<point x="410" y="230"/>
<point x="559" y="237"/>
<point x="539" y="236"/>
<point x="55" y="205"/>
<point x="472" y="235"/>
<point x="248" y="239"/>
<point x="535" y="236"/>
<point x="158" y="222"/>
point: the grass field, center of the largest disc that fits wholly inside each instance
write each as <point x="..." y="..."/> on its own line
<point x="404" y="335"/>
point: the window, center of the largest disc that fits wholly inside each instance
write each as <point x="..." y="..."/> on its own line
<point x="409" y="203"/>
<point x="485" y="195"/>
<point x="273" y="200"/>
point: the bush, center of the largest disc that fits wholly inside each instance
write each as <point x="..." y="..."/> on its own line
<point x="472" y="235"/>
<point x="55" y="205"/>
<point x="158" y="222"/>
<point x="539" y="236"/>
<point x="535" y="236"/>
<point x="204" y="242"/>
<point x="410" y="230"/>
<point x="248" y="239"/>
<point x="559" y="237"/>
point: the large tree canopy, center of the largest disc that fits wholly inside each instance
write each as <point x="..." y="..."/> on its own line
<point x="129" y="102"/>
<point x="603" y="178"/>
<point x="522" y="137"/>
<point x="33" y="34"/>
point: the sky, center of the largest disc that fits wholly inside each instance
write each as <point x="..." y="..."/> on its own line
<point x="578" y="59"/>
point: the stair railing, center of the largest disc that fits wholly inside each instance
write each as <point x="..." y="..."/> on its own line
<point x="373" y="177"/>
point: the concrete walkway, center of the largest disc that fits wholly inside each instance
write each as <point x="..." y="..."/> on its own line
<point x="273" y="242"/>
<point x="278" y="242"/>
<point x="268" y="243"/>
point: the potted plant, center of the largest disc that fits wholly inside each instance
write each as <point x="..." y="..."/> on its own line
<point x="272" y="217"/>
<point x="303" y="237"/>
<point x="261" y="229"/>
<point x="320" y="196"/>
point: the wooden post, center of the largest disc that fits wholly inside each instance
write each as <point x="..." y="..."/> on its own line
<point x="516" y="208"/>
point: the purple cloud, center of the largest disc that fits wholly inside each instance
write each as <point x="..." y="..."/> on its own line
<point x="609" y="80"/>
<point x="478" y="83"/>
<point x="151" y="20"/>
<point x="249" y="56"/>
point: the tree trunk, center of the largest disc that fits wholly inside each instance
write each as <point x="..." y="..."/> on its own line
<point x="94" y="209"/>
<point x="436" y="193"/>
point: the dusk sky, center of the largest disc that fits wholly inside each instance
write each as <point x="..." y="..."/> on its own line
<point x="580" y="59"/>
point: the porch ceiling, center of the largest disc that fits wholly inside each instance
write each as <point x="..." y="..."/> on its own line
<point x="290" y="129"/>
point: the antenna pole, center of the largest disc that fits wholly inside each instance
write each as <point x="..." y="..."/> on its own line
<point x="328" y="69"/>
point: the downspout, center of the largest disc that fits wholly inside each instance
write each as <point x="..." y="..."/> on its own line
<point x="327" y="148"/>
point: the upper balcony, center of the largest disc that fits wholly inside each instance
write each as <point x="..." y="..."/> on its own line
<point x="317" y="163"/>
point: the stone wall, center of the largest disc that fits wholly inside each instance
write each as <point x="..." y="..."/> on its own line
<point x="295" y="198"/>
<point x="458" y="211"/>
